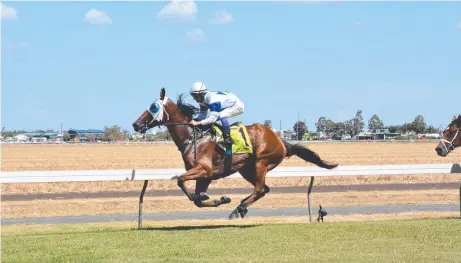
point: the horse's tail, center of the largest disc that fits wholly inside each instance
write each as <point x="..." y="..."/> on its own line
<point x="307" y="155"/>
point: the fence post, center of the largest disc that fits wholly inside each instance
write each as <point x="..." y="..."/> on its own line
<point x="141" y="200"/>
<point x="309" y="190"/>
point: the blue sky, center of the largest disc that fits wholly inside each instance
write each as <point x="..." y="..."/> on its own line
<point x="90" y="64"/>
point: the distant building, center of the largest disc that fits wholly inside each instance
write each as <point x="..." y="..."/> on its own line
<point x="384" y="134"/>
<point x="21" y="138"/>
<point x="365" y="136"/>
<point x="84" y="133"/>
<point x="47" y="135"/>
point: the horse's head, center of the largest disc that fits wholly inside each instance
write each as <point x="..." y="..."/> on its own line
<point x="451" y="137"/>
<point x="155" y="115"/>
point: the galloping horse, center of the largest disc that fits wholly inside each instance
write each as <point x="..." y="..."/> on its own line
<point x="204" y="163"/>
<point x="451" y="137"/>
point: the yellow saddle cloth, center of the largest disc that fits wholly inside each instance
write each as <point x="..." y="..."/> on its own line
<point x="239" y="135"/>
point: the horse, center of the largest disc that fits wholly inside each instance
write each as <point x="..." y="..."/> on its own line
<point x="203" y="160"/>
<point x="451" y="137"/>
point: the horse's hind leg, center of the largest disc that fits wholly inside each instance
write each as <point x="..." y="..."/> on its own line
<point x="202" y="199"/>
<point x="257" y="177"/>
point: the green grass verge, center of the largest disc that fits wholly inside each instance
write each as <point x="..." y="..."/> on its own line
<point x="427" y="240"/>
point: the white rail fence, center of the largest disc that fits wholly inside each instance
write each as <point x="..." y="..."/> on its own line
<point x="166" y="174"/>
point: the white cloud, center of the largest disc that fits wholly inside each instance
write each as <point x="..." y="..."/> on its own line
<point x="196" y="35"/>
<point x="179" y="11"/>
<point x="94" y="16"/>
<point x="8" y="12"/>
<point x="221" y="18"/>
<point x="458" y="25"/>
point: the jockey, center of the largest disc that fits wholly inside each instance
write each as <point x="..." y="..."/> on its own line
<point x="220" y="105"/>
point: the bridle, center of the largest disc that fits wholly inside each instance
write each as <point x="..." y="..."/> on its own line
<point x="157" y="116"/>
<point x="157" y="113"/>
<point x="449" y="146"/>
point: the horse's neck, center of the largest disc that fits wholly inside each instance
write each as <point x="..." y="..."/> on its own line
<point x="179" y="133"/>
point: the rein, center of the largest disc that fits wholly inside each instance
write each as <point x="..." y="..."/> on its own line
<point x="194" y="132"/>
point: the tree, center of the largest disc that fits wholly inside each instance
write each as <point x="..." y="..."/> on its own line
<point x="358" y="123"/>
<point x="348" y="127"/>
<point x="337" y="129"/>
<point x="126" y="134"/>
<point x="268" y="123"/>
<point x="300" y="129"/>
<point x="65" y="136"/>
<point x="375" y="123"/>
<point x="405" y="128"/>
<point x="161" y="136"/>
<point x="91" y="137"/>
<point x="394" y="128"/>
<point x="112" y="132"/>
<point x="418" y="125"/>
<point x="432" y="129"/>
<point x="321" y="124"/>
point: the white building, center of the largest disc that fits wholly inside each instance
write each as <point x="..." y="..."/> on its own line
<point x="21" y="138"/>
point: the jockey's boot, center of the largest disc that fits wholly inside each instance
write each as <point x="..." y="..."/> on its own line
<point x="228" y="143"/>
<point x="228" y="154"/>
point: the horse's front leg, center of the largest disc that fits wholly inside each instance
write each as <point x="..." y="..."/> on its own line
<point x="203" y="200"/>
<point x="196" y="173"/>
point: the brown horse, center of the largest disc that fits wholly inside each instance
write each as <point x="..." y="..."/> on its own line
<point x="451" y="137"/>
<point x="268" y="152"/>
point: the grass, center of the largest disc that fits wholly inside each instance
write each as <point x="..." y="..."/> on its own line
<point x="427" y="240"/>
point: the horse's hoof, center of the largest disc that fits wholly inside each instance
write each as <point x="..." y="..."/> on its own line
<point x="175" y="177"/>
<point x="225" y="200"/>
<point x="243" y="212"/>
<point x="234" y="215"/>
<point x="266" y="189"/>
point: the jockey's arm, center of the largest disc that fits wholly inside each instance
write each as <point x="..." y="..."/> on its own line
<point x="213" y="114"/>
<point x="202" y="114"/>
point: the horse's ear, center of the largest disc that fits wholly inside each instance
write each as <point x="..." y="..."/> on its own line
<point x="162" y="93"/>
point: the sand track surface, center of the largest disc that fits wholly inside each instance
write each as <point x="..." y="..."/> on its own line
<point x="148" y="156"/>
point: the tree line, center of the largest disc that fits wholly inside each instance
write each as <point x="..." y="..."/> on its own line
<point x="356" y="125"/>
<point x="351" y="127"/>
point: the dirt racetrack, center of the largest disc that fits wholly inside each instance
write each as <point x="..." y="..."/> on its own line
<point x="151" y="156"/>
<point x="87" y="157"/>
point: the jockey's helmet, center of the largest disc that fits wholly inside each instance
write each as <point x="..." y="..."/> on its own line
<point x="198" y="91"/>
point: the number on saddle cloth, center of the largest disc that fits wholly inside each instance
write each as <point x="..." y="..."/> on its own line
<point x="239" y="135"/>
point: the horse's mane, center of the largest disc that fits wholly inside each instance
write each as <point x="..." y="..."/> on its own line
<point x="457" y="121"/>
<point x="186" y="109"/>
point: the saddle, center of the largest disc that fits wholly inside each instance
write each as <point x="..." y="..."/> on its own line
<point x="241" y="143"/>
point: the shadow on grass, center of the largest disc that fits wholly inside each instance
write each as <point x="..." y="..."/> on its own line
<point x="186" y="228"/>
